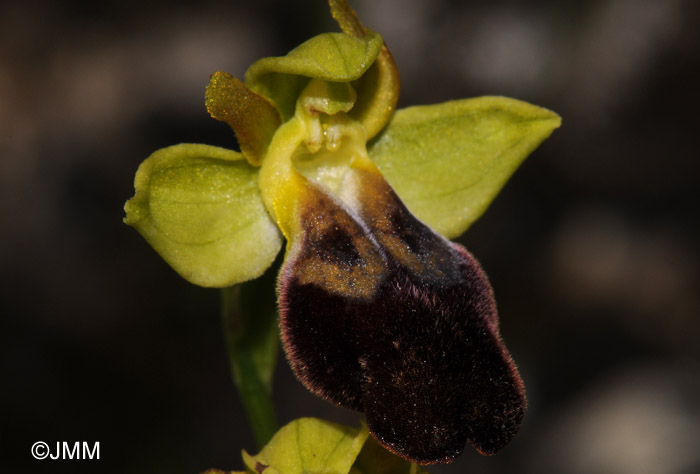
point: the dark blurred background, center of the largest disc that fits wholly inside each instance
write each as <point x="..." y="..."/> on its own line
<point x="592" y="248"/>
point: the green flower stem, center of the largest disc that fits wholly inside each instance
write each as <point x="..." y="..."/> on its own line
<point x="252" y="345"/>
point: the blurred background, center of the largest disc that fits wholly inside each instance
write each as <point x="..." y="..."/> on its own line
<point x="592" y="248"/>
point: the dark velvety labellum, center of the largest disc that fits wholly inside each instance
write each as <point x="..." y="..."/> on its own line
<point x="417" y="348"/>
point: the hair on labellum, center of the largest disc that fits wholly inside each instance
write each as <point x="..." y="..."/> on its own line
<point x="382" y="315"/>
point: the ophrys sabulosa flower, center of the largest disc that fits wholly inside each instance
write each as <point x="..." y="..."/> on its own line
<point x="379" y="312"/>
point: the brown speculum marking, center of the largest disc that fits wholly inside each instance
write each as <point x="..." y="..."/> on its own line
<point x="398" y="322"/>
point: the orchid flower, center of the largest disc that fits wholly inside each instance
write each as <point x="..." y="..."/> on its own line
<point x="379" y="311"/>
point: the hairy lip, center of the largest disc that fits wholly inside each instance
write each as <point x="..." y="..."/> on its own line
<point x="379" y="314"/>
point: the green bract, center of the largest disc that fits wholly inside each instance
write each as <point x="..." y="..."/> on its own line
<point x="310" y="445"/>
<point x="313" y="446"/>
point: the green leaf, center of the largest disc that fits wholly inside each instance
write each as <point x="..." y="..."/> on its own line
<point x="448" y="161"/>
<point x="309" y="446"/>
<point x="200" y="208"/>
<point x="334" y="57"/>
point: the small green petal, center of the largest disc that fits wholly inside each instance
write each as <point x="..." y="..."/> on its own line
<point x="448" y="161"/>
<point x="309" y="446"/>
<point x="333" y="57"/>
<point x="253" y="119"/>
<point x="200" y="208"/>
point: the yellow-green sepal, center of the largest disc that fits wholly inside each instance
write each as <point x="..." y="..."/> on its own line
<point x="309" y="445"/>
<point x="447" y="162"/>
<point x="200" y="208"/>
<point x="335" y="57"/>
